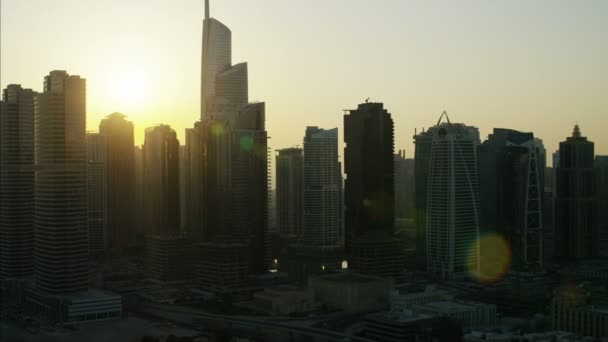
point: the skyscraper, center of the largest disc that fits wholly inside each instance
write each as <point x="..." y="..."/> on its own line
<point x="322" y="188"/>
<point x="61" y="218"/>
<point x="320" y="246"/>
<point x="511" y="190"/>
<point x="404" y="186"/>
<point x="229" y="163"/>
<point x="161" y="181"/>
<point x="120" y="179"/>
<point x="452" y="234"/>
<point x="422" y="160"/>
<point x="290" y="196"/>
<point x="216" y="57"/>
<point x="601" y="184"/>
<point x="16" y="182"/>
<point x="193" y="162"/>
<point x="97" y="191"/>
<point x="369" y="191"/>
<point x="577" y="236"/>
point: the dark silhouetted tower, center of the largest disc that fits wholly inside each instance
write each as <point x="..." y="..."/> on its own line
<point x="511" y="190"/>
<point x="120" y="179"/>
<point x="96" y="180"/>
<point x="369" y="191"/>
<point x="577" y="236"/>
<point x="61" y="250"/>
<point x="290" y="186"/>
<point x="16" y="182"/>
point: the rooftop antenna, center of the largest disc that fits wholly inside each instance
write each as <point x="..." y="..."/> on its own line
<point x="441" y="117"/>
<point x="367" y="100"/>
<point x="206" y="9"/>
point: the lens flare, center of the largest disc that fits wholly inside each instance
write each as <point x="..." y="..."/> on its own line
<point x="217" y="128"/>
<point x="246" y="143"/>
<point x="495" y="259"/>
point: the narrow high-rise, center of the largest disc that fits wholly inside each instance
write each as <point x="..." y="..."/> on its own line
<point x="61" y="242"/>
<point x="97" y="190"/>
<point x="511" y="174"/>
<point x="319" y="248"/>
<point x="452" y="234"/>
<point x="120" y="179"/>
<point x="577" y="236"/>
<point x="322" y="189"/>
<point x="601" y="184"/>
<point x="228" y="163"/>
<point x="161" y="181"/>
<point x="16" y="182"/>
<point x="369" y="191"/>
<point x="422" y="160"/>
<point x="290" y="185"/>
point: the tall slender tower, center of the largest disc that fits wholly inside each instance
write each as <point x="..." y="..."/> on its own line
<point x="120" y="179"/>
<point x="61" y="216"/>
<point x="577" y="236"/>
<point x="290" y="186"/>
<point x="511" y="189"/>
<point x="452" y="234"/>
<point x="216" y="56"/>
<point x="322" y="189"/>
<point x="16" y="182"/>
<point x="161" y="181"/>
<point x="96" y="179"/>
<point x="369" y="191"/>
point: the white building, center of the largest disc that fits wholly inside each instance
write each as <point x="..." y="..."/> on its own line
<point x="453" y="201"/>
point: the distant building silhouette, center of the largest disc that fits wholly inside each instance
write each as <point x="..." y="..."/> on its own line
<point x="320" y="246"/>
<point x="16" y="182"/>
<point x="138" y="205"/>
<point x="577" y="234"/>
<point x="61" y="217"/>
<point x="290" y="191"/>
<point x="161" y="181"/>
<point x="404" y="187"/>
<point x="120" y="176"/>
<point x="422" y="160"/>
<point x="452" y="234"/>
<point x="601" y="184"/>
<point x="511" y="173"/>
<point x="194" y="176"/>
<point x="369" y="191"/>
<point x="98" y="194"/>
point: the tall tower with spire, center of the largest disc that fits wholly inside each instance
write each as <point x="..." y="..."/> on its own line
<point x="576" y="230"/>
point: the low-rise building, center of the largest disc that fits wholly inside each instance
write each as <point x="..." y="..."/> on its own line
<point x="408" y="326"/>
<point x="470" y="314"/>
<point x="352" y="292"/>
<point x="284" y="300"/>
<point x="578" y="309"/>
<point x="405" y="300"/>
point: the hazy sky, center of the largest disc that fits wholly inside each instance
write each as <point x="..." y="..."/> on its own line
<point x="536" y="65"/>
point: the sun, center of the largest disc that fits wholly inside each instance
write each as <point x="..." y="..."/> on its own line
<point x="130" y="89"/>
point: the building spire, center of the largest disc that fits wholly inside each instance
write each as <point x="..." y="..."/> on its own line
<point x="206" y="9"/>
<point x="577" y="132"/>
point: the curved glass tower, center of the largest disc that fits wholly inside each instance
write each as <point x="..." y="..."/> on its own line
<point x="217" y="56"/>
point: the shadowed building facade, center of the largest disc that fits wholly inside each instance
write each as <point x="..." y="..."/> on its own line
<point x="320" y="247"/>
<point x="577" y="236"/>
<point x="289" y="195"/>
<point x="16" y="182"/>
<point x="61" y="245"/>
<point x="120" y="179"/>
<point x="369" y="191"/>
<point x="511" y="190"/>
<point x="422" y="159"/>
<point x="601" y="184"/>
<point x="96" y="180"/>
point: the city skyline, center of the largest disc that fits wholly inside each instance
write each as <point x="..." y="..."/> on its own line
<point x="530" y="68"/>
